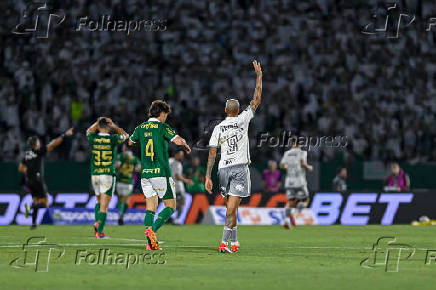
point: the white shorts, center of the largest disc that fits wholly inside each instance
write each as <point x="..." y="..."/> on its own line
<point x="163" y="187"/>
<point x="103" y="184"/>
<point x="297" y="192"/>
<point x="235" y="180"/>
<point x="124" y="189"/>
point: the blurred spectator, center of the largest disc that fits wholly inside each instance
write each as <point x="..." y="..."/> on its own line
<point x="340" y="180"/>
<point x="271" y="177"/>
<point x="398" y="180"/>
<point x="322" y="83"/>
<point x="197" y="173"/>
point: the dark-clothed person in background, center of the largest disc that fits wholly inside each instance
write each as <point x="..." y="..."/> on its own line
<point x="340" y="180"/>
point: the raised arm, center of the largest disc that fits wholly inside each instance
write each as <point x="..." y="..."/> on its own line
<point x="117" y="129"/>
<point x="181" y="142"/>
<point x="56" y="142"/>
<point x="93" y="128"/>
<point x="210" y="162"/>
<point x="257" y="97"/>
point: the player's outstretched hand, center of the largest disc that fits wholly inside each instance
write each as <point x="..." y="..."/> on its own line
<point x="208" y="185"/>
<point x="187" y="149"/>
<point x="69" y="132"/>
<point x="257" y="68"/>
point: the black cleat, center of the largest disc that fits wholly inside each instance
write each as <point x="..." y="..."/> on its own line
<point x="32" y="227"/>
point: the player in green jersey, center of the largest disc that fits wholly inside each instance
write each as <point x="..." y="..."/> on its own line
<point x="156" y="181"/>
<point x="127" y="163"/>
<point x="104" y="152"/>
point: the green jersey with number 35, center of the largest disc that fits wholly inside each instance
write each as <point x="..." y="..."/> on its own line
<point x="104" y="152"/>
<point x="153" y="136"/>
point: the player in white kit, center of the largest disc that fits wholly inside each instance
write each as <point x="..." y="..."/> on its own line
<point x="231" y="135"/>
<point x="295" y="163"/>
<point x="180" y="180"/>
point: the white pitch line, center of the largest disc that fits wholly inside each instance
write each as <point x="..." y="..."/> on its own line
<point x="330" y="248"/>
<point x="130" y="240"/>
<point x="70" y="245"/>
<point x="205" y="247"/>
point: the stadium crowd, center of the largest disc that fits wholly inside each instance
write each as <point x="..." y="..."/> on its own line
<point x="322" y="76"/>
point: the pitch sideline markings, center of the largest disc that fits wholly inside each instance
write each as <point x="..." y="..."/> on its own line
<point x="188" y="246"/>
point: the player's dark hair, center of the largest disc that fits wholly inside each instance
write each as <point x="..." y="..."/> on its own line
<point x="294" y="140"/>
<point x="103" y="123"/>
<point x="31" y="141"/>
<point x="340" y="169"/>
<point x="158" y="107"/>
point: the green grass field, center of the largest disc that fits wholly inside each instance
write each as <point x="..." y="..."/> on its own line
<point x="317" y="257"/>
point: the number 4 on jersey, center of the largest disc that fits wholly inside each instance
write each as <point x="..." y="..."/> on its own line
<point x="149" y="149"/>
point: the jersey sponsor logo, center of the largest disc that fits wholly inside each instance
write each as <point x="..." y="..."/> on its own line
<point x="102" y="140"/>
<point x="227" y="127"/>
<point x="102" y="170"/>
<point x="150" y="126"/>
<point x="170" y="131"/>
<point x="229" y="161"/>
<point x="30" y="155"/>
<point x="151" y="170"/>
<point x="148" y="134"/>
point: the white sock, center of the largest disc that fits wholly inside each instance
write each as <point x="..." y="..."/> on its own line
<point x="227" y="233"/>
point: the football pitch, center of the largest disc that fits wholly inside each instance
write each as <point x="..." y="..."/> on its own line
<point x="315" y="257"/>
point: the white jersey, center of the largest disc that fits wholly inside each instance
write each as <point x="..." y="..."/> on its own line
<point x="232" y="136"/>
<point x="177" y="168"/>
<point x="295" y="173"/>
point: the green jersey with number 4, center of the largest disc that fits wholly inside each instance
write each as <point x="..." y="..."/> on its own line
<point x="153" y="136"/>
<point x="127" y="164"/>
<point x="104" y="152"/>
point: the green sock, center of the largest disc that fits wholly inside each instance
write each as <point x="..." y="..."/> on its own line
<point x="123" y="208"/>
<point x="162" y="218"/>
<point x="96" y="211"/>
<point x="101" y="222"/>
<point x="149" y="218"/>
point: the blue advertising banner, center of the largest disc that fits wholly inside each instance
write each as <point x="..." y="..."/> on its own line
<point x="85" y="216"/>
